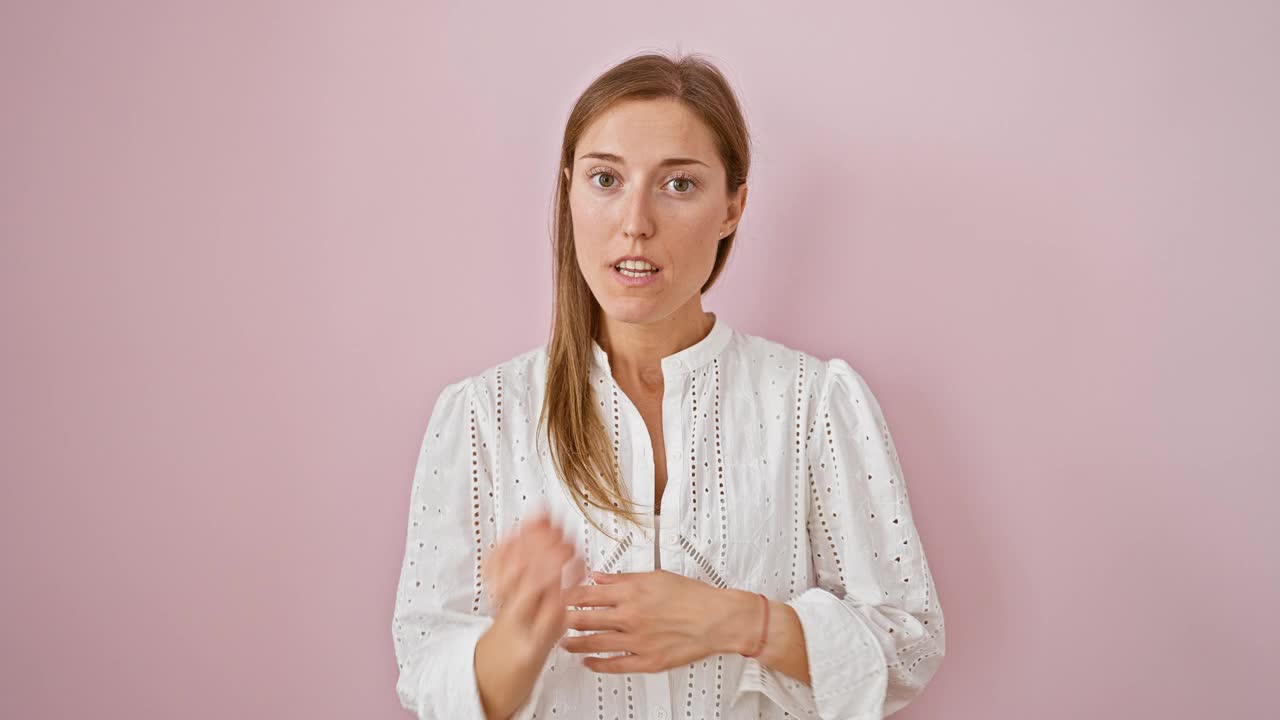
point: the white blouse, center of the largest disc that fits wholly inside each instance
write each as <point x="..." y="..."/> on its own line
<point x="782" y="479"/>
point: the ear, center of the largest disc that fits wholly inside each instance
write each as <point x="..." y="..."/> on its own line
<point x="566" y="175"/>
<point x="737" y="203"/>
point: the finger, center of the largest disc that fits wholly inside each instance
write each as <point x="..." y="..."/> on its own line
<point x="549" y="567"/>
<point x="566" y="563"/>
<point x="610" y="578"/>
<point x="522" y="563"/>
<point x="531" y="528"/>
<point x="509" y="557"/>
<point x="593" y="619"/>
<point x="575" y="571"/>
<point x="624" y="664"/>
<point x="536" y="540"/>
<point x="540" y="513"/>
<point x="551" y="534"/>
<point x="593" y="595"/>
<point x="597" y="643"/>
<point x="533" y="542"/>
<point x="532" y="573"/>
<point x="566" y="534"/>
<point x="538" y="518"/>
<point x="553" y="549"/>
<point x="532" y="546"/>
<point x="571" y="573"/>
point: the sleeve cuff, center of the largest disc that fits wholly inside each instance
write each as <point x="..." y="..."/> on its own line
<point x="470" y="689"/>
<point x="787" y="693"/>
<point x="847" y="668"/>
<point x="454" y="692"/>
<point x="446" y="680"/>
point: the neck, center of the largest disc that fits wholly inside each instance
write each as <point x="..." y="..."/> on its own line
<point x="636" y="350"/>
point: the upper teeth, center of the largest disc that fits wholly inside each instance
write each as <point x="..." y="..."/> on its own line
<point x="636" y="265"/>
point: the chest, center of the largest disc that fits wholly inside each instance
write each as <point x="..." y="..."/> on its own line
<point x="715" y="482"/>
<point x="649" y="405"/>
<point x="720" y="460"/>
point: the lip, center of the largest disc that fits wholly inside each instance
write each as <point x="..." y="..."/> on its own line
<point x="634" y="282"/>
<point x="642" y="258"/>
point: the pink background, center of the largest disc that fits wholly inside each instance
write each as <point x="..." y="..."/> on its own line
<point x="245" y="244"/>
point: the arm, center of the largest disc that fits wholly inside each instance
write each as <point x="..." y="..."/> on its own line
<point x="741" y="626"/>
<point x="873" y="627"/>
<point x="505" y="677"/>
<point x="441" y="612"/>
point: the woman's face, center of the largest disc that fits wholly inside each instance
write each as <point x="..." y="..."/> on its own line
<point x="647" y="181"/>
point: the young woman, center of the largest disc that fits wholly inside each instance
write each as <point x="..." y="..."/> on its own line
<point x="655" y="515"/>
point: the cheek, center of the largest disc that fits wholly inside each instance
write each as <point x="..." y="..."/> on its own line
<point x="700" y="250"/>
<point x="586" y="210"/>
<point x="591" y="225"/>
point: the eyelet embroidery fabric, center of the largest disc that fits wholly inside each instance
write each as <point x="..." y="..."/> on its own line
<point x="783" y="479"/>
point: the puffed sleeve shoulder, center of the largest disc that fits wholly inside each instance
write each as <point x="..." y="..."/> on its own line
<point x="873" y="626"/>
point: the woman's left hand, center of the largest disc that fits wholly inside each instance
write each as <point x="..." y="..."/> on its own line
<point x="663" y="619"/>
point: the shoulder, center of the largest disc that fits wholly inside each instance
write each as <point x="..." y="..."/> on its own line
<point x="832" y="394"/>
<point x="815" y="376"/>
<point x="772" y="357"/>
<point x="514" y="374"/>
<point x="484" y="390"/>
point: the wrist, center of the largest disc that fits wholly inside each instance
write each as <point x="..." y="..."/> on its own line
<point x="738" y="624"/>
<point x="506" y="670"/>
<point x="513" y="646"/>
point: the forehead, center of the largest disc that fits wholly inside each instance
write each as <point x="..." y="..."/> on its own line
<point x="644" y="132"/>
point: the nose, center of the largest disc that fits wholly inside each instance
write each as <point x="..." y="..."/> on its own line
<point x="637" y="220"/>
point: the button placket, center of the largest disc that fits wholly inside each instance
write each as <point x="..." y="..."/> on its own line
<point x="674" y="442"/>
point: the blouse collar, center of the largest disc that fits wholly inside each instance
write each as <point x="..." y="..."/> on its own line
<point x="686" y="360"/>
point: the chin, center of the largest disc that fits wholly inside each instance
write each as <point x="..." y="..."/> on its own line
<point x="633" y="310"/>
<point x="630" y="312"/>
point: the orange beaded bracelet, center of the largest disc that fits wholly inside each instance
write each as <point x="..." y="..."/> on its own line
<point x="764" y="633"/>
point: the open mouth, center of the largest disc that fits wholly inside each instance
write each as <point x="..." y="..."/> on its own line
<point x="634" y="273"/>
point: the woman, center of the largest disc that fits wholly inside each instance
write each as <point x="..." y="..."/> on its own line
<point x="739" y="503"/>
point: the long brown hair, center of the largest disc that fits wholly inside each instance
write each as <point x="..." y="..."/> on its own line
<point x="580" y="445"/>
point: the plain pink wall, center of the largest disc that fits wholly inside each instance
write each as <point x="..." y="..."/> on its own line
<point x="245" y="244"/>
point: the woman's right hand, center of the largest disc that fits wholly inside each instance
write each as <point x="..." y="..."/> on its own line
<point x="524" y="575"/>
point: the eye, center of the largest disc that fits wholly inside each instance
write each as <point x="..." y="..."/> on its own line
<point x="685" y="187"/>
<point x="688" y="181"/>
<point x="594" y="173"/>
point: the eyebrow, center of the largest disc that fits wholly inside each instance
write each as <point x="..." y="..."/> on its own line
<point x="610" y="157"/>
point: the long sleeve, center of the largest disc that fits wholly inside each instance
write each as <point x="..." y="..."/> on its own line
<point x="873" y="627"/>
<point x="440" y="609"/>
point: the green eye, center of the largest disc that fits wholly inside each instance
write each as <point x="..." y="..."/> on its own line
<point x="689" y="183"/>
